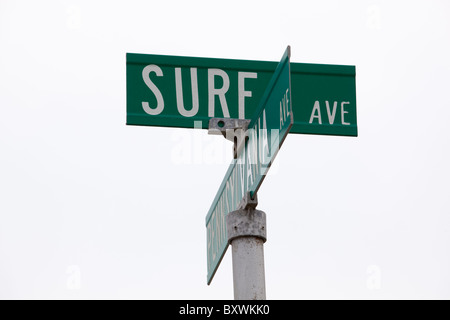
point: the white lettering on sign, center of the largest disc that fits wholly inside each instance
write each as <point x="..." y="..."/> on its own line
<point x="258" y="152"/>
<point x="212" y="92"/>
<point x="284" y="108"/>
<point x="331" y="115"/>
<point x="263" y="141"/>
<point x="344" y="112"/>
<point x="252" y="155"/>
<point x="315" y="113"/>
<point x="242" y="92"/>
<point x="179" y="90"/>
<point x="228" y="201"/>
<point x="159" y="98"/>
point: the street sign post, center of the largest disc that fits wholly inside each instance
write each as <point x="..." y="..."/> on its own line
<point x="255" y="97"/>
<point x="173" y="91"/>
<point x="266" y="132"/>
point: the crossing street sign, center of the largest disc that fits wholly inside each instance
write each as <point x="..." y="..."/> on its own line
<point x="266" y="132"/>
<point x="173" y="91"/>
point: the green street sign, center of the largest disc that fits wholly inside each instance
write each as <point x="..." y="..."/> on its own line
<point x="266" y="132"/>
<point x="173" y="91"/>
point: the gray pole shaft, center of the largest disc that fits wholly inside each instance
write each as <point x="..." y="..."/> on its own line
<point x="247" y="234"/>
<point x="248" y="268"/>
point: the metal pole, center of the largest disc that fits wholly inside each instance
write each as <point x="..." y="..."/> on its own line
<point x="246" y="230"/>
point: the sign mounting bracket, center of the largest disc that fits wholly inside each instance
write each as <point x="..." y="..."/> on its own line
<point x="248" y="202"/>
<point x="234" y="130"/>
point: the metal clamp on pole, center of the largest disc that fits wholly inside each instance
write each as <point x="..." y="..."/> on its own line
<point x="246" y="223"/>
<point x="248" y="202"/>
<point x="234" y="130"/>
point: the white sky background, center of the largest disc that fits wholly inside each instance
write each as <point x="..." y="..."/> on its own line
<point x="92" y="208"/>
